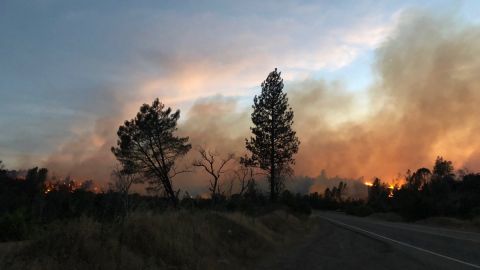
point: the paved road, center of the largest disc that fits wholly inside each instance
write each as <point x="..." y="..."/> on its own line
<point x="346" y="242"/>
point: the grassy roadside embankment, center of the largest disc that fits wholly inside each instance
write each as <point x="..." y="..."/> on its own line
<point x="171" y="240"/>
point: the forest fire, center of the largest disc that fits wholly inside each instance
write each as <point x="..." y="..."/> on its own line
<point x="70" y="186"/>
<point x="390" y="187"/>
<point x="239" y="135"/>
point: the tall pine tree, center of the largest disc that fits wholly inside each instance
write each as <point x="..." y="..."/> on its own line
<point x="274" y="142"/>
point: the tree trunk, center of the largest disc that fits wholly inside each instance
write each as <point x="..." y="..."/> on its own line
<point x="273" y="194"/>
<point x="170" y="193"/>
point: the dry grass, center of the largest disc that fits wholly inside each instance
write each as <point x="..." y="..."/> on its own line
<point x="173" y="240"/>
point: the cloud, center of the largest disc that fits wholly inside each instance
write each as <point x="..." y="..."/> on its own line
<point x="210" y="53"/>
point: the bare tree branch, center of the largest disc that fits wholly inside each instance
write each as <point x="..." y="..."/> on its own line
<point x="123" y="181"/>
<point x="209" y="162"/>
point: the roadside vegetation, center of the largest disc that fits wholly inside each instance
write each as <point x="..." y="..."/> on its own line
<point x="170" y="240"/>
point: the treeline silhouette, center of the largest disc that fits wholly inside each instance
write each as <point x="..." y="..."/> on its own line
<point x="426" y="193"/>
<point x="31" y="201"/>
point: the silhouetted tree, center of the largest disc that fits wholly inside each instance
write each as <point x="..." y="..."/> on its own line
<point x="378" y="196"/>
<point x="274" y="142"/>
<point x="251" y="192"/>
<point x="35" y="180"/>
<point x="442" y="169"/>
<point x="333" y="197"/>
<point x="214" y="167"/>
<point x="469" y="194"/>
<point x="329" y="201"/>
<point x="408" y="199"/>
<point x="339" y="192"/>
<point x="147" y="144"/>
<point x="418" y="179"/>
<point x="438" y="192"/>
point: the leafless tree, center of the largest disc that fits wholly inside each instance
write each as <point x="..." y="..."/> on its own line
<point x="122" y="182"/>
<point x="244" y="175"/>
<point x="214" y="165"/>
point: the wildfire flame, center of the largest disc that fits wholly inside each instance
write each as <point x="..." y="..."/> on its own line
<point x="70" y="186"/>
<point x="390" y="187"/>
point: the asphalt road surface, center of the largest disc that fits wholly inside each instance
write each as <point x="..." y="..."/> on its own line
<point x="346" y="242"/>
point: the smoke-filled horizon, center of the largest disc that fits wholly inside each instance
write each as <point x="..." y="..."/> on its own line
<point x="420" y="103"/>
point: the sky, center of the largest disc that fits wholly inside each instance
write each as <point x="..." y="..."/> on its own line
<point x="378" y="87"/>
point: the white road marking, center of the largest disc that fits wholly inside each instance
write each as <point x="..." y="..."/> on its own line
<point x="401" y="243"/>
<point x="419" y="229"/>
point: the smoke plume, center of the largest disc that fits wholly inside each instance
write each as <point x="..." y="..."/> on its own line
<point x="423" y="103"/>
